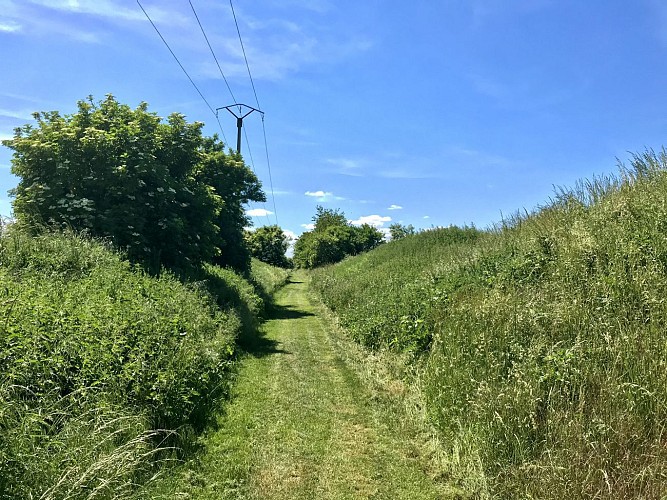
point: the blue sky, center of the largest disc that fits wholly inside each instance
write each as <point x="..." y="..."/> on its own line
<point x="429" y="112"/>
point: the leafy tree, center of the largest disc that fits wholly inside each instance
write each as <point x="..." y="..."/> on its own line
<point x="365" y="238"/>
<point x="398" y="231"/>
<point x="269" y="244"/>
<point x="325" y="218"/>
<point x="127" y="176"/>
<point x="333" y="238"/>
<point x="236" y="185"/>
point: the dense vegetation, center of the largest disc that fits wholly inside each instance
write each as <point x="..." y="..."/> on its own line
<point x="539" y="345"/>
<point x="160" y="191"/>
<point x="269" y="244"/>
<point x="100" y="363"/>
<point x="332" y="239"/>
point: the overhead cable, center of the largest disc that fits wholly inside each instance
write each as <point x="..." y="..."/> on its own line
<point x="212" y="52"/>
<point x="244" y="55"/>
<point x="182" y="67"/>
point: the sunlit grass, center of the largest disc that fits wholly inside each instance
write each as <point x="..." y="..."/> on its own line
<point x="539" y="344"/>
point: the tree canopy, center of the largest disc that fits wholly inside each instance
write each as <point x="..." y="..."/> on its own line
<point x="332" y="239"/>
<point x="160" y="191"/>
<point x="399" y="231"/>
<point x="269" y="244"/>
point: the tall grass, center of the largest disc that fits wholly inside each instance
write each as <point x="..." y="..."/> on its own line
<point x="539" y="344"/>
<point x="102" y="367"/>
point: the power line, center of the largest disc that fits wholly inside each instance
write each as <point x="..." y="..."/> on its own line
<point x="252" y="161"/>
<point x="268" y="163"/>
<point x="211" y="49"/>
<point x="179" y="63"/>
<point x="244" y="55"/>
<point x="266" y="147"/>
<point x="252" y="164"/>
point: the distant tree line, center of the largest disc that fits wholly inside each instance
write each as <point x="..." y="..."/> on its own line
<point x="161" y="191"/>
<point x="332" y="239"/>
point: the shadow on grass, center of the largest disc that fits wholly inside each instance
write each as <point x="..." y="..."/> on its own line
<point x="287" y="312"/>
<point x="258" y="345"/>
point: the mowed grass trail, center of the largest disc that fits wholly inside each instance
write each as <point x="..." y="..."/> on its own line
<point x="301" y="425"/>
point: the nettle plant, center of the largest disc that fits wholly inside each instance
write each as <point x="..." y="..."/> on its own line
<point x="126" y="175"/>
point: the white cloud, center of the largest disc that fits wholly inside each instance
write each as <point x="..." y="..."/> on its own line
<point x="372" y="220"/>
<point x="8" y="26"/>
<point x="395" y="207"/>
<point x="427" y="217"/>
<point x="323" y="196"/>
<point x="291" y="241"/>
<point x="308" y="227"/>
<point x="258" y="212"/>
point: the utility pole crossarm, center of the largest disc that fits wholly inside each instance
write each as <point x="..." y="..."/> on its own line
<point x="239" y="118"/>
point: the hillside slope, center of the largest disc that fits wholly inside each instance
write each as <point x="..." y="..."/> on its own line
<point x="539" y="346"/>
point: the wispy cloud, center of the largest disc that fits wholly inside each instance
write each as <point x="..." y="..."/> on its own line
<point x="258" y="212"/>
<point x="348" y="166"/>
<point x="323" y="196"/>
<point x="63" y="18"/>
<point x="376" y="221"/>
<point x="9" y="26"/>
<point x="386" y="165"/>
<point x="103" y="8"/>
<point x="394" y="207"/>
<point x="281" y="192"/>
<point x="21" y="114"/>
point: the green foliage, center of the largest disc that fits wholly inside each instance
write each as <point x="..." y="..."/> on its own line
<point x="236" y="185"/>
<point x="94" y="355"/>
<point x="332" y="239"/>
<point x="269" y="244"/>
<point x="160" y="191"/>
<point x="325" y="218"/>
<point x="267" y="279"/>
<point x="399" y="231"/>
<point x="539" y="344"/>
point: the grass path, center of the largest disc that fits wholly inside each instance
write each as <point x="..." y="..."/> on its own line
<point x="301" y="425"/>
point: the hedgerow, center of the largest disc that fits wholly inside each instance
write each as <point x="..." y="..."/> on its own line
<point x="102" y="365"/>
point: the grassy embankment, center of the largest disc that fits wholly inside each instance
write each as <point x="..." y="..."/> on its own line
<point x="103" y="369"/>
<point x="538" y="347"/>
